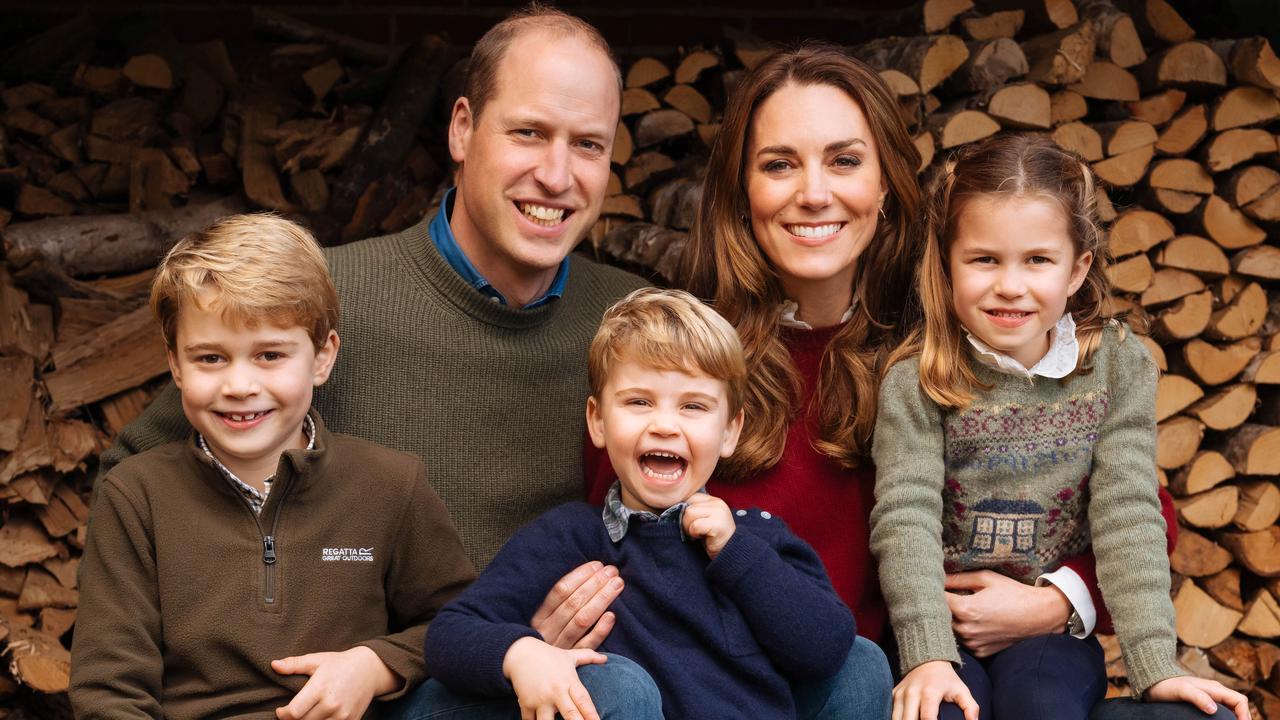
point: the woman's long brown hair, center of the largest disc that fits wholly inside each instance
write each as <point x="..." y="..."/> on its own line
<point x="725" y="264"/>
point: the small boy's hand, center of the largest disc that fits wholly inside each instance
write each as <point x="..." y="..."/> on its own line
<point x="1200" y="692"/>
<point x="342" y="684"/>
<point x="545" y="679"/>
<point x="927" y="686"/>
<point x="709" y="518"/>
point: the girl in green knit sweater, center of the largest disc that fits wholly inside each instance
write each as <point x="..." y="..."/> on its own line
<point x="1018" y="429"/>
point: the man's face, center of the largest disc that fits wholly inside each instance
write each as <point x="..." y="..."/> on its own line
<point x="535" y="164"/>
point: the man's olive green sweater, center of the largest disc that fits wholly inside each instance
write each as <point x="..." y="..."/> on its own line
<point x="1028" y="474"/>
<point x="187" y="595"/>
<point x="491" y="397"/>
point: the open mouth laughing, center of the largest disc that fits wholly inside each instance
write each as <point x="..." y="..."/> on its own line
<point x="543" y="215"/>
<point x="663" y="466"/>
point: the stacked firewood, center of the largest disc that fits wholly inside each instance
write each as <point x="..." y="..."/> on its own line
<point x="105" y="160"/>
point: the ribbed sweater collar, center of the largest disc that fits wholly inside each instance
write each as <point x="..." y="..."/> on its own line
<point x="433" y="272"/>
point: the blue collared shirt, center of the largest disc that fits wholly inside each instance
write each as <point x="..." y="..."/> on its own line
<point x="447" y="244"/>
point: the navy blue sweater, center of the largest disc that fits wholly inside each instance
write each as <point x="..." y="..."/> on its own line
<point x="721" y="638"/>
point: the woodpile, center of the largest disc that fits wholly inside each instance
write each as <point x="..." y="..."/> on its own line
<point x="106" y="161"/>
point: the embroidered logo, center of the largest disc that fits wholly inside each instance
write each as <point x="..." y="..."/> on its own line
<point x="346" y="554"/>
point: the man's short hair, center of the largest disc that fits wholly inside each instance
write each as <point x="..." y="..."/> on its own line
<point x="668" y="330"/>
<point x="486" y="56"/>
<point x="259" y="268"/>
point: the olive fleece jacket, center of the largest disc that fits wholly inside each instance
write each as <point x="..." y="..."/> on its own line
<point x="186" y="596"/>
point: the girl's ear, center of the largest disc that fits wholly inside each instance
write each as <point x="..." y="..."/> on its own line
<point x="1079" y="271"/>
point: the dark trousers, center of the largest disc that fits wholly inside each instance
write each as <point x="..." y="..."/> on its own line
<point x="1051" y="677"/>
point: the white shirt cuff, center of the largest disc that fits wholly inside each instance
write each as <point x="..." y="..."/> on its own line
<point x="1069" y="582"/>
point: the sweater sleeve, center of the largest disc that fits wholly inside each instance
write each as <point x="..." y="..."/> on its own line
<point x="1085" y="564"/>
<point x="428" y="569"/>
<point x="117" y="665"/>
<point x="780" y="587"/>
<point x="1124" y="516"/>
<point x="906" y="522"/>
<point x="162" y="422"/>
<point x="469" y="639"/>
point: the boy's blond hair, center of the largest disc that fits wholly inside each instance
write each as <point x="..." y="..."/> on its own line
<point x="259" y="267"/>
<point x="668" y="330"/>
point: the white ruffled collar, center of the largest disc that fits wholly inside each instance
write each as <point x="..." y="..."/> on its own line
<point x="790" y="308"/>
<point x="1059" y="362"/>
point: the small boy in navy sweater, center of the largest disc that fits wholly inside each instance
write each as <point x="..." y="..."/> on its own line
<point x="722" y="608"/>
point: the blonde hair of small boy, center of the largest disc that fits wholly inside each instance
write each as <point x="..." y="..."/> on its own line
<point x="668" y="330"/>
<point x="249" y="269"/>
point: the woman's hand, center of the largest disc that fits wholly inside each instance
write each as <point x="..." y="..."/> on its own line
<point x="999" y="611"/>
<point x="926" y="687"/>
<point x="575" y="613"/>
<point x="1204" y="694"/>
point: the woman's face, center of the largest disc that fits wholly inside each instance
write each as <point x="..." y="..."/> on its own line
<point x="814" y="185"/>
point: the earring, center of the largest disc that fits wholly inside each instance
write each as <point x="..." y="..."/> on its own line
<point x="882" y="215"/>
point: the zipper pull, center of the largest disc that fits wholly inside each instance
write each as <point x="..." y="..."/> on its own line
<point x="268" y="550"/>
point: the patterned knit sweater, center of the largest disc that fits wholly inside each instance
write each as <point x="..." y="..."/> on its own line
<point x="1026" y="476"/>
<point x="489" y="396"/>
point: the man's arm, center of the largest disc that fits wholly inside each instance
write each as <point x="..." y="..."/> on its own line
<point x="160" y="423"/>
<point x="117" y="667"/>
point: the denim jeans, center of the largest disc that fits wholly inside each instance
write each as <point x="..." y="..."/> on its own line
<point x="862" y="689"/>
<point x="620" y="690"/>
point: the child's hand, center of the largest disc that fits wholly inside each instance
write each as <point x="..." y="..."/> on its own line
<point x="927" y="686"/>
<point x="709" y="518"/>
<point x="545" y="679"/>
<point x="1200" y="692"/>
<point x="342" y="684"/>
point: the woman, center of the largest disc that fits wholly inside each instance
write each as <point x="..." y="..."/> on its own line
<point x="805" y="240"/>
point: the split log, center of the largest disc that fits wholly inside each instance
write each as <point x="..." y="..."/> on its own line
<point x="636" y="101"/>
<point x="1251" y="60"/>
<point x="1193" y="254"/>
<point x="1265" y="209"/>
<point x="675" y="204"/>
<point x="1067" y="106"/>
<point x="1254" y="449"/>
<point x="1132" y="275"/>
<point x="622" y="145"/>
<point x="1244" y="106"/>
<point x="1241" y="317"/>
<point x="1060" y="58"/>
<point x="1225" y="588"/>
<point x="660" y="126"/>
<point x="689" y="101"/>
<point x="39" y="661"/>
<point x="1138" y="230"/>
<point x="1021" y="106"/>
<point x="1205" y="471"/>
<point x="991" y="64"/>
<point x="1184" y="132"/>
<point x="938" y="14"/>
<point x="1215" y="365"/>
<point x="1117" y="37"/>
<point x="1175" y="202"/>
<point x="1258" y="551"/>
<point x="1125" y="135"/>
<point x="1261" y="616"/>
<point x="929" y="60"/>
<point x="1173" y="394"/>
<point x="1040" y="14"/>
<point x="1189" y="66"/>
<point x="1263" y="369"/>
<point x="1202" y="621"/>
<point x="1080" y="139"/>
<point x="149" y="70"/>
<point x="1197" y="556"/>
<point x="962" y="127"/>
<point x="1182" y="175"/>
<point x="646" y="71"/>
<point x="1236" y="146"/>
<point x="1250" y="183"/>
<point x="1259" y="506"/>
<point x="99" y="244"/>
<point x="1227" y="408"/>
<point x="924" y="143"/>
<point x="900" y="84"/>
<point x="25" y="328"/>
<point x="116" y="357"/>
<point x="1157" y="109"/>
<point x="1000" y="24"/>
<point x="1125" y="169"/>
<point x="1157" y="21"/>
<point x="393" y="129"/>
<point x="1211" y="509"/>
<point x="1104" y="80"/>
<point x="647" y="167"/>
<point x="35" y="201"/>
<point x="1262" y="261"/>
<point x="1177" y="440"/>
<point x="1170" y="284"/>
<point x="1228" y="226"/>
<point x="694" y="64"/>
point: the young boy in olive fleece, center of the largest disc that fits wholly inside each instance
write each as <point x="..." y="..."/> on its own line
<point x="264" y="567"/>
